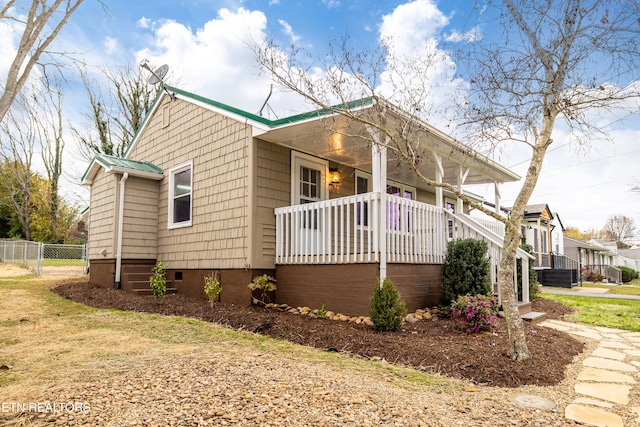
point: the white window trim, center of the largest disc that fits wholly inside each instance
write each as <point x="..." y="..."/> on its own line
<point x="300" y="159"/>
<point x="172" y="171"/>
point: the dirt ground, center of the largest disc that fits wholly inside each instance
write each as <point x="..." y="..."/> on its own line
<point x="428" y="345"/>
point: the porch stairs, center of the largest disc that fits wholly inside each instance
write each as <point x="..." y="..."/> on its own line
<point x="528" y="316"/>
<point x="135" y="278"/>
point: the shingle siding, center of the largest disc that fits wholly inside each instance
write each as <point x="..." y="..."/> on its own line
<point x="140" y="230"/>
<point x="218" y="147"/>
<point x="103" y="214"/>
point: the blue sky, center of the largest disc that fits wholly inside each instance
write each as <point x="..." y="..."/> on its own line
<point x="205" y="44"/>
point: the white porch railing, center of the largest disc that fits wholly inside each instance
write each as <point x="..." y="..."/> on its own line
<point x="344" y="230"/>
<point x="496" y="226"/>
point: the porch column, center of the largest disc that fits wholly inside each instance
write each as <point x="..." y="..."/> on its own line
<point x="379" y="177"/>
<point x="462" y="177"/>
<point x="439" y="177"/>
<point x="496" y="190"/>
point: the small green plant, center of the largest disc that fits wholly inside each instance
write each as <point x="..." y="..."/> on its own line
<point x="212" y="287"/>
<point x="387" y="310"/>
<point x="158" y="281"/>
<point x="321" y="313"/>
<point x="465" y="270"/>
<point x="265" y="284"/>
<point x="474" y="314"/>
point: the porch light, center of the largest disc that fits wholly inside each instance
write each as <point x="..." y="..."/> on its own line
<point x="334" y="176"/>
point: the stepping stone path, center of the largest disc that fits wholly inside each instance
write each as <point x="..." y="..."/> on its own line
<point x="608" y="378"/>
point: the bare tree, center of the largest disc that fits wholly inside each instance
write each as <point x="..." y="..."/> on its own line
<point x="16" y="154"/>
<point x="40" y="23"/>
<point x="561" y="61"/>
<point x="551" y="67"/>
<point x="619" y="228"/>
<point x="50" y="129"/>
<point x="117" y="114"/>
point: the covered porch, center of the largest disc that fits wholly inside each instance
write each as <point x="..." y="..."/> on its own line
<point x="400" y="223"/>
<point x="381" y="229"/>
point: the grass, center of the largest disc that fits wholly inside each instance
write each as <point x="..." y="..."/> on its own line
<point x="627" y="289"/>
<point x="62" y="262"/>
<point x="607" y="312"/>
<point x="50" y="342"/>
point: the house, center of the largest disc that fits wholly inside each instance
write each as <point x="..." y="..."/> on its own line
<point x="314" y="199"/>
<point x="629" y="258"/>
<point x="543" y="230"/>
<point x="596" y="261"/>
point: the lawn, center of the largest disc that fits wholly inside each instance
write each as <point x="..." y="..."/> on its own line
<point x="627" y="289"/>
<point x="47" y="341"/>
<point x="607" y="312"/>
<point x="62" y="262"/>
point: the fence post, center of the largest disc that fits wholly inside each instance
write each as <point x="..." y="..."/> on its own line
<point x="85" y="261"/>
<point x="40" y="258"/>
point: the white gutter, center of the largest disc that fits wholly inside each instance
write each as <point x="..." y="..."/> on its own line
<point x="116" y="284"/>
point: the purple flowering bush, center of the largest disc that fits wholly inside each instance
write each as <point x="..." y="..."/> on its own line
<point x="474" y="314"/>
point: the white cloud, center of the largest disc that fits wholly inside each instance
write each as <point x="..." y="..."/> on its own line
<point x="111" y="45"/>
<point x="417" y="71"/>
<point x="331" y="4"/>
<point x="473" y="35"/>
<point x="217" y="60"/>
<point x="143" y="23"/>
<point x="412" y="26"/>
<point x="288" y="30"/>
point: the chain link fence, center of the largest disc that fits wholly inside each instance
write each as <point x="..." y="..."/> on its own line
<point x="45" y="258"/>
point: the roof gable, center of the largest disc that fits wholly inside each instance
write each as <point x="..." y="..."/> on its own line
<point x="114" y="164"/>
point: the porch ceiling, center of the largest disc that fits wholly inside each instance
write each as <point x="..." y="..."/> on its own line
<point x="340" y="140"/>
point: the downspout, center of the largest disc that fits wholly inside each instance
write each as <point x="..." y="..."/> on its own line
<point x="116" y="284"/>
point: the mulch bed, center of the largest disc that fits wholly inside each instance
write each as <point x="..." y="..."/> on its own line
<point x="429" y="345"/>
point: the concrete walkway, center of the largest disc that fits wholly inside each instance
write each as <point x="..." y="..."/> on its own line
<point x="608" y="378"/>
<point x="587" y="292"/>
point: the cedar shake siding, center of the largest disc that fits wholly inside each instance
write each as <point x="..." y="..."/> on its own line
<point x="273" y="190"/>
<point x="140" y="228"/>
<point x="218" y="147"/>
<point x="104" y="208"/>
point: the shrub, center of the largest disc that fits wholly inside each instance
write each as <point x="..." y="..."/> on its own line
<point x="264" y="283"/>
<point x="628" y="274"/>
<point x="591" y="275"/>
<point x="474" y="314"/>
<point x="212" y="288"/>
<point x="387" y="309"/>
<point x="158" y="281"/>
<point x="465" y="270"/>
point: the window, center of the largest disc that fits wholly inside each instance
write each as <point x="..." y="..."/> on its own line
<point x="180" y="192"/>
<point x="363" y="185"/>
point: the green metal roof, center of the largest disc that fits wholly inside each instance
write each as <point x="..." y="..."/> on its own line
<point x="118" y="162"/>
<point x="278" y="122"/>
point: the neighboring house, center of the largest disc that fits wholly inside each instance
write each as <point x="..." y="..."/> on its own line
<point x="543" y="231"/>
<point x="629" y="258"/>
<point x="594" y="259"/>
<point x="206" y="187"/>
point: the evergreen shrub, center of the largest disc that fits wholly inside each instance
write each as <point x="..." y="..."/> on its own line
<point x="465" y="270"/>
<point x="387" y="310"/>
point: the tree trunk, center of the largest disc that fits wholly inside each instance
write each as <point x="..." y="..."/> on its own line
<point x="518" y="349"/>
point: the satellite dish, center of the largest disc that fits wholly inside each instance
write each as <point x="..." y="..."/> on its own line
<point x="158" y="75"/>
